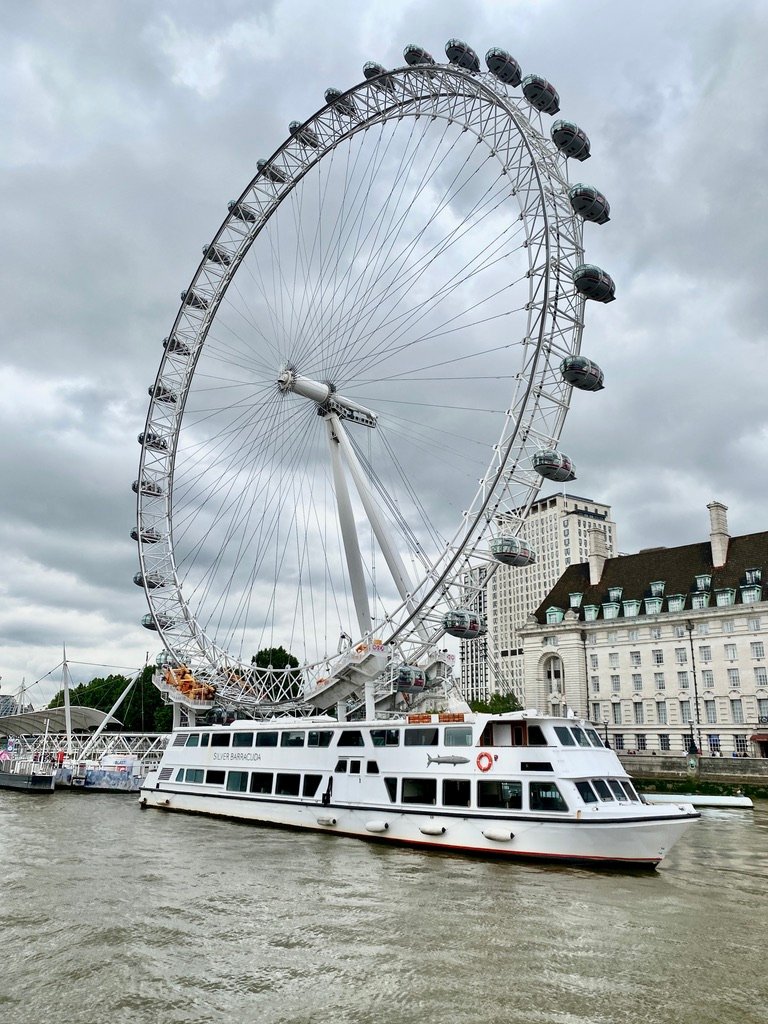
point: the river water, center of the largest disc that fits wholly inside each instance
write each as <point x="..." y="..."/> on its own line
<point x="110" y="914"/>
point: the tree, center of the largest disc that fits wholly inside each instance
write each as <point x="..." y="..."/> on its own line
<point x="142" y="710"/>
<point x="499" y="704"/>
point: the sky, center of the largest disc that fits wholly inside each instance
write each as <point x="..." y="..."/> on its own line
<point x="128" y="126"/>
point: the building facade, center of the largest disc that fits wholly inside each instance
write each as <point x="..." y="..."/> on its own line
<point x="662" y="650"/>
<point x="557" y="527"/>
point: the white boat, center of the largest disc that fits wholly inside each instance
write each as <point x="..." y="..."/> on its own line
<point x="520" y="785"/>
<point x="700" y="800"/>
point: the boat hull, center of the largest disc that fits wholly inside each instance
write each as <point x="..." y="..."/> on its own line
<point x="632" y="842"/>
<point x="30" y="783"/>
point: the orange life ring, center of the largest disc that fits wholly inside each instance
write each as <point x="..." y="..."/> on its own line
<point x="484" y="761"/>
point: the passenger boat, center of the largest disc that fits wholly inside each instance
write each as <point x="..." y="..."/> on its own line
<point x="522" y="784"/>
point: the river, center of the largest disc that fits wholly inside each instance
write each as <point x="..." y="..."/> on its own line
<point x="114" y="915"/>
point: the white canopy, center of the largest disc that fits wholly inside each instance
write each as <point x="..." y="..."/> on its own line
<point x="34" y="722"/>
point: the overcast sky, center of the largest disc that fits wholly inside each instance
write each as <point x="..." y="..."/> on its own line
<point x="129" y="125"/>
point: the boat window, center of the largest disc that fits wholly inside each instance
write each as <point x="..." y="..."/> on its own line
<point x="215" y="777"/>
<point x="193" y="740"/>
<point x="564" y="735"/>
<point x="354" y="767"/>
<point x="545" y="796"/>
<point x="630" y="791"/>
<point x="351" y="738"/>
<point x="458" y="736"/>
<point x="602" y="789"/>
<point x="536" y="736"/>
<point x="536" y="766"/>
<point x="237" y="782"/>
<point x="341" y="766"/>
<point x="319" y="739"/>
<point x="594" y="739"/>
<point x="292" y="738"/>
<point x="288" y="784"/>
<point x="180" y="739"/>
<point x="205" y="738"/>
<point x="266" y="739"/>
<point x="391" y="785"/>
<point x="421" y="737"/>
<point x="419" y="791"/>
<point x="261" y="782"/>
<point x="586" y="793"/>
<point x="499" y="793"/>
<point x="194" y="775"/>
<point x="385" y="737"/>
<point x="581" y="736"/>
<point x="372" y="767"/>
<point x="220" y="739"/>
<point x="242" y="739"/>
<point x="180" y="775"/>
<point x="457" y="792"/>
<point x="310" y="784"/>
<point x="617" y="789"/>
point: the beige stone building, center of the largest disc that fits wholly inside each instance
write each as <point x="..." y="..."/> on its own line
<point x="661" y="649"/>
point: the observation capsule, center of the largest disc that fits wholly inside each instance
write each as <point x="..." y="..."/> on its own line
<point x="192" y="298"/>
<point x="167" y="658"/>
<point x="175" y="346"/>
<point x="344" y="104"/>
<point x="241" y="211"/>
<point x="589" y="203"/>
<point x="582" y="373"/>
<point x="304" y="136"/>
<point x="148" y="535"/>
<point x="594" y="283"/>
<point x="410" y="679"/>
<point x="159" y="622"/>
<point x="554" y="465"/>
<point x="376" y="71"/>
<point x="512" y="551"/>
<point x="217" y="254"/>
<point x="503" y="66"/>
<point x="151" y="581"/>
<point x="415" y="55"/>
<point x="161" y="393"/>
<point x="462" y="623"/>
<point x="461" y="55"/>
<point x="571" y="140"/>
<point x="541" y="94"/>
<point x="269" y="171"/>
<point x="146" y="486"/>
<point x="150" y="439"/>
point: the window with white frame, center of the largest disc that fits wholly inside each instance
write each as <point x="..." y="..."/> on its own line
<point x="761" y="675"/>
<point x="729" y="625"/>
<point x="661" y="712"/>
<point x="753" y="575"/>
<point x="724" y="597"/>
<point x="634" y="659"/>
<point x="714" y="743"/>
<point x="702" y="628"/>
<point x="699" y="600"/>
<point x="618" y="741"/>
<point x="595" y="712"/>
<point x="595" y="683"/>
<point x="757" y="649"/>
<point x="593" y="663"/>
<point x="664" y="743"/>
<point x="637" y="681"/>
<point x="753" y="623"/>
<point x="680" y="631"/>
<point x="640" y="743"/>
<point x="612" y="636"/>
<point x="590" y="612"/>
<point x="705" y="654"/>
<point x="657" y="588"/>
<point x="615" y="684"/>
<point x="737" y="711"/>
<point x="656" y="633"/>
<point x="681" y="656"/>
<point x="631" y="609"/>
<point x="733" y="678"/>
<point x="658" y="680"/>
<point x="750" y="594"/>
<point x="676" y="602"/>
<point x="740" y="744"/>
<point x="685" y="712"/>
<point x="633" y="635"/>
<point x="730" y="652"/>
<point x="762" y="709"/>
<point x="652" y="605"/>
<point x="708" y="678"/>
<point x="710" y="709"/>
<point x="657" y="656"/>
<point x="613" y="660"/>
<point x="682" y="680"/>
<point x="617" y="714"/>
<point x="610" y="610"/>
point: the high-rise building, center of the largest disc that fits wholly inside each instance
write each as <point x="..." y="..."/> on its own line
<point x="557" y="527"/>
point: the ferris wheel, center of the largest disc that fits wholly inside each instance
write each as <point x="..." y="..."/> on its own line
<point x="366" y="382"/>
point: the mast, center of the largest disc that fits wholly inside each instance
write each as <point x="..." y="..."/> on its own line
<point x="67" y="712"/>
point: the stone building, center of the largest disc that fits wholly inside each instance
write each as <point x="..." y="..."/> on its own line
<point x="557" y="527"/>
<point x="660" y="649"/>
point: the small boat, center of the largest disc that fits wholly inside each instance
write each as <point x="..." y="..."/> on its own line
<point x="700" y="800"/>
<point x="517" y="785"/>
<point x="110" y="773"/>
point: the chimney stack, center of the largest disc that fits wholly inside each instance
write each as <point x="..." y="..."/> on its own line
<point x="718" y="533"/>
<point x="598" y="552"/>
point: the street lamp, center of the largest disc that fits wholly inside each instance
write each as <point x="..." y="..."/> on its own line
<point x="689" y="627"/>
<point x="605" y="727"/>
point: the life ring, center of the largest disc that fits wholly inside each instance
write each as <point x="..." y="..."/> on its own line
<point x="484" y="761"/>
